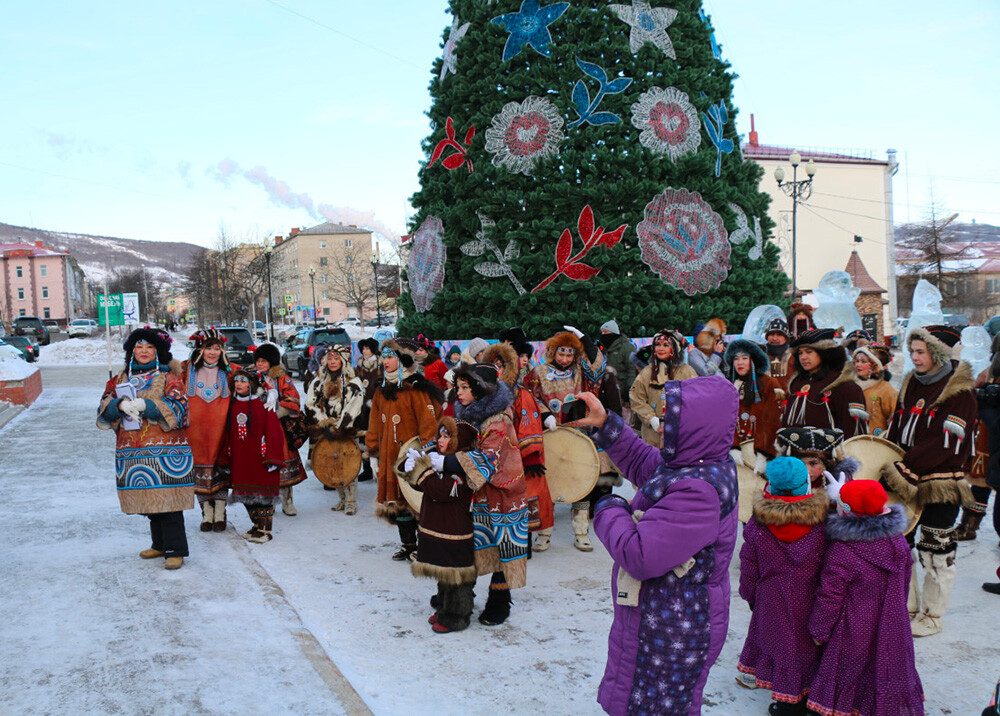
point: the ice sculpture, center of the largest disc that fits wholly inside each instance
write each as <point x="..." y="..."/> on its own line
<point x="836" y="295"/>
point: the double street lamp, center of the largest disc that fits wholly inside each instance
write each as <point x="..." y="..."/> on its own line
<point x="267" y="259"/>
<point x="312" y="280"/>
<point x="799" y="190"/>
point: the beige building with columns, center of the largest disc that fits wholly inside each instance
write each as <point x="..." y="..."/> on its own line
<point x="340" y="255"/>
<point x="851" y="198"/>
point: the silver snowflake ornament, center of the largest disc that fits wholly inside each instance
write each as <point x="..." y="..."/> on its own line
<point x="649" y="24"/>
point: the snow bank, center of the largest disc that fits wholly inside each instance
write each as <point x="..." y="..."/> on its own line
<point x="15" y="368"/>
<point x="94" y="351"/>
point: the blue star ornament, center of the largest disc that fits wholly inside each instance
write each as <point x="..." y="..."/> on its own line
<point x="649" y="24"/>
<point x="529" y="26"/>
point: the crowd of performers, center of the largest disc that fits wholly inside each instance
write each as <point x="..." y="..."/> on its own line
<point x="826" y="564"/>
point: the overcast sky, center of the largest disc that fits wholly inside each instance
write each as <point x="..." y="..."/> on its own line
<point x="161" y="120"/>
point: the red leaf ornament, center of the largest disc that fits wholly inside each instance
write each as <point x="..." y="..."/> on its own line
<point x="572" y="266"/>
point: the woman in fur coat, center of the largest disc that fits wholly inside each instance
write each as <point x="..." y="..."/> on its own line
<point x="283" y="398"/>
<point x="780" y="563"/>
<point x="646" y="394"/>
<point x="871" y="363"/>
<point x="860" y="616"/>
<point x="746" y="366"/>
<point x="429" y="357"/>
<point x="368" y="369"/>
<point x="406" y="405"/>
<point x="153" y="461"/>
<point x="334" y="400"/>
<point x="495" y="471"/>
<point x="206" y="376"/>
<point x="445" y="551"/>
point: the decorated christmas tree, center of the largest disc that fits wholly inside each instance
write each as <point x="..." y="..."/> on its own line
<point x="584" y="165"/>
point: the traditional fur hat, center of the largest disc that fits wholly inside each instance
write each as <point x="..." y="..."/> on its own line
<point x="877" y="355"/>
<point x="857" y="338"/>
<point x="939" y="339"/>
<point x="709" y="334"/>
<point x="370" y="343"/>
<point x="481" y="377"/>
<point x="269" y="352"/>
<point x="741" y="346"/>
<point x="824" y="342"/>
<point x="403" y="348"/>
<point x="512" y="335"/>
<point x="426" y="343"/>
<point x="808" y="439"/>
<point x="800" y="318"/>
<point x="156" y="337"/>
<point x="203" y="339"/>
<point x="524" y="348"/>
<point x="678" y="344"/>
<point x="250" y="376"/>
<point x="463" y="435"/>
<point x="564" y="339"/>
<point x="863" y="498"/>
<point x="787" y="477"/>
<point x="507" y="358"/>
<point x="777" y="326"/>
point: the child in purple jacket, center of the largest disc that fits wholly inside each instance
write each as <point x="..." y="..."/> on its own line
<point x="780" y="563"/>
<point x="867" y="667"/>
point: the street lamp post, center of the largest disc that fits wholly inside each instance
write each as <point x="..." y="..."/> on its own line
<point x="312" y="280"/>
<point x="799" y="190"/>
<point x="267" y="259"/>
<point x="378" y="310"/>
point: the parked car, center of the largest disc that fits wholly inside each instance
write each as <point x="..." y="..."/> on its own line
<point x="384" y="334"/>
<point x="259" y="330"/>
<point x="82" y="327"/>
<point x="240" y="345"/>
<point x="296" y="356"/>
<point x="350" y="321"/>
<point x="25" y="346"/>
<point x="31" y="326"/>
<point x="8" y="351"/>
<point x="52" y="324"/>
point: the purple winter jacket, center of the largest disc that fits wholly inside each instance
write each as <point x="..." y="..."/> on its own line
<point x="860" y="615"/>
<point x="660" y="652"/>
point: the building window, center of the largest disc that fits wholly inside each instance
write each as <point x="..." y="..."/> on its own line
<point x="993" y="285"/>
<point x="324" y="278"/>
<point x="45" y="313"/>
<point x="322" y="260"/>
<point x="349" y="260"/>
<point x="322" y="244"/>
<point x="45" y="291"/>
<point x="43" y="270"/>
<point x="326" y="311"/>
<point x="19" y="271"/>
<point x="20" y="294"/>
<point x="326" y="295"/>
<point x="350" y="277"/>
<point x="347" y="243"/>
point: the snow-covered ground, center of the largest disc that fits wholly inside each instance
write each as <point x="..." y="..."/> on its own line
<point x="15" y="368"/>
<point x="264" y="629"/>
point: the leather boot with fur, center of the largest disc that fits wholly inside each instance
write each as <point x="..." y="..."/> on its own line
<point x="339" y="507"/>
<point x="220" y="516"/>
<point x="497" y="608"/>
<point x="366" y="471"/>
<point x="581" y="527"/>
<point x="207" y="515"/>
<point x="456" y="613"/>
<point x="939" y="579"/>
<point x="351" y="491"/>
<point x="287" y="506"/>
<point x="408" y="536"/>
<point x="543" y="540"/>
<point x="971" y="517"/>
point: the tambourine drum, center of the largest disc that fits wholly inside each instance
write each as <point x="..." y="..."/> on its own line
<point x="571" y="464"/>
<point x="414" y="498"/>
<point x="750" y="483"/>
<point x="873" y="454"/>
<point x="336" y="462"/>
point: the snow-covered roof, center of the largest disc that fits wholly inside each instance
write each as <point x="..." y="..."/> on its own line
<point x="328" y="227"/>
<point x="34" y="249"/>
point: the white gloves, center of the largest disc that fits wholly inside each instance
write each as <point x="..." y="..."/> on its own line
<point x="272" y="400"/>
<point x="833" y="485"/>
<point x="132" y="408"/>
<point x="550" y="423"/>
<point x="760" y="464"/>
<point x="437" y="461"/>
<point x="411" y="459"/>
<point x="575" y="331"/>
<point x="654" y="423"/>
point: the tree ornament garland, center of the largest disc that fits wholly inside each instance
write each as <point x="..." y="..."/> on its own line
<point x="529" y="26"/>
<point x="449" y="58"/>
<point x="453" y="161"/>
<point x="427" y="261"/>
<point x="524" y="133"/>
<point x="573" y="266"/>
<point x="669" y="122"/>
<point x="716" y="50"/>
<point x="482" y="242"/>
<point x="648" y="24"/>
<point x="743" y="233"/>
<point x="581" y="96"/>
<point x="715" y="120"/>
<point x="684" y="241"/>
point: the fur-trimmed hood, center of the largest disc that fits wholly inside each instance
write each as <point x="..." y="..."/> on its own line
<point x="810" y="510"/>
<point x="865" y="529"/>
<point x="959" y="380"/>
<point x="508" y="357"/>
<point x="463" y="434"/>
<point x="478" y="411"/>
<point x="756" y="353"/>
<point x="940" y="351"/>
<point x="564" y="339"/>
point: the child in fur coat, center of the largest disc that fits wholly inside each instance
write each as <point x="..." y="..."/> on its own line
<point x="860" y="612"/>
<point x="445" y="547"/>
<point x="780" y="563"/>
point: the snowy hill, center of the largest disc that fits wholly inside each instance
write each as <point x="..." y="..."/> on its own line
<point x="167" y="261"/>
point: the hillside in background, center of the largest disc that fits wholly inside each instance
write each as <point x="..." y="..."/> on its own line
<point x="166" y="261"/>
<point x="954" y="233"/>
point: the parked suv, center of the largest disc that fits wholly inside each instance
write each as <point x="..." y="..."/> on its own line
<point x="25" y="345"/>
<point x="301" y="346"/>
<point x="82" y="327"/>
<point x="240" y="345"/>
<point x="31" y="326"/>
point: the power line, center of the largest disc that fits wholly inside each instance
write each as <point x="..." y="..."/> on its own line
<point x="832" y="223"/>
<point x="880" y="201"/>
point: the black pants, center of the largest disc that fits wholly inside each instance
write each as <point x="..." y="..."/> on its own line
<point x="939" y="519"/>
<point x="167" y="530"/>
<point x="982" y="495"/>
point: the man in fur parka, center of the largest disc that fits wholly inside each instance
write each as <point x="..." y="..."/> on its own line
<point x="823" y="392"/>
<point x="332" y="411"/>
<point x="406" y="405"/>
<point x="572" y="365"/>
<point x="934" y="421"/>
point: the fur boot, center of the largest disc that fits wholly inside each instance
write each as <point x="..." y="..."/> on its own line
<point x="220" y="516"/>
<point x="351" y="492"/>
<point x="287" y="506"/>
<point x="971" y="517"/>
<point x="780" y="708"/>
<point x="408" y="537"/>
<point x="939" y="579"/>
<point x="339" y="507"/>
<point x="543" y="540"/>
<point x="497" y="603"/>
<point x="456" y="612"/>
<point x="581" y="527"/>
<point x="207" y="515"/>
<point x="436" y="602"/>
